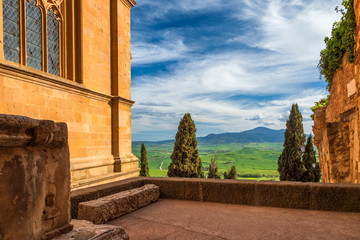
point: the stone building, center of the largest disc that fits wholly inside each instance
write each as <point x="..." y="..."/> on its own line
<point x="337" y="126"/>
<point x="69" y="61"/>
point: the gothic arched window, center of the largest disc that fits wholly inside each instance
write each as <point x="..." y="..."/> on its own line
<point x="32" y="33"/>
<point x="53" y="43"/>
<point x="11" y="30"/>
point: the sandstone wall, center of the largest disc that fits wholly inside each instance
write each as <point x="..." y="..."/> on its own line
<point x="336" y="127"/>
<point x="34" y="177"/>
<point x="96" y="106"/>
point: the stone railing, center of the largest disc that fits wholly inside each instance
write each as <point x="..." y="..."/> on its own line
<point x="314" y="196"/>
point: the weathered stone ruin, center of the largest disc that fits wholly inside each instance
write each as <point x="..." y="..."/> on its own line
<point x="336" y="127"/>
<point x="34" y="177"/>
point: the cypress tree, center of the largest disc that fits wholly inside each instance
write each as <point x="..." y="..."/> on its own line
<point x="231" y="174"/>
<point x="317" y="172"/>
<point x="144" y="171"/>
<point x="185" y="161"/>
<point x="213" y="169"/>
<point x="290" y="165"/>
<point x="200" y="170"/>
<point x="309" y="161"/>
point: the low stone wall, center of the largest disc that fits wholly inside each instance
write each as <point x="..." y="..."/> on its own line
<point x="34" y="178"/>
<point x="314" y="196"/>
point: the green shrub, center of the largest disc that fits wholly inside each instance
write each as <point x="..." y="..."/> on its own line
<point x="213" y="169"/>
<point x="231" y="174"/>
<point x="341" y="41"/>
<point x="322" y="103"/>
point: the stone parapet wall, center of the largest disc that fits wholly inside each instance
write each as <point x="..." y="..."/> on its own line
<point x="34" y="177"/>
<point x="314" y="196"/>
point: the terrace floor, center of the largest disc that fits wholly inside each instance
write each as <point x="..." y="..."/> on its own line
<point x="178" y="219"/>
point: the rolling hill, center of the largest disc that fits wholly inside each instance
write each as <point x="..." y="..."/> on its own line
<point x="256" y="135"/>
<point x="254" y="153"/>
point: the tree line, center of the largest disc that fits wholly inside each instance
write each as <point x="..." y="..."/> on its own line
<point x="297" y="162"/>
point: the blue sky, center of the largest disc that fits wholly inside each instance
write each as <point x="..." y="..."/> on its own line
<point x="233" y="64"/>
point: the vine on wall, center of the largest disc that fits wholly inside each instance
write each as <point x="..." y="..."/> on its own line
<point x="341" y="41"/>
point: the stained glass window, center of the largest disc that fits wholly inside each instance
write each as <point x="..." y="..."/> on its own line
<point x="11" y="30"/>
<point x="33" y="35"/>
<point x="53" y="43"/>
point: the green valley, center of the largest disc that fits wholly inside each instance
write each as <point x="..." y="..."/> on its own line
<point x="257" y="161"/>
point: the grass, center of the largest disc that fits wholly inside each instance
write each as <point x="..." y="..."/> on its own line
<point x="256" y="161"/>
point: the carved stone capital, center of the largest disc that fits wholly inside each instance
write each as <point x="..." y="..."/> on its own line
<point x="129" y="3"/>
<point x="50" y="3"/>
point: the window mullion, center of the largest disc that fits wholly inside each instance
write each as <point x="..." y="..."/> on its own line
<point x="44" y="41"/>
<point x="22" y="11"/>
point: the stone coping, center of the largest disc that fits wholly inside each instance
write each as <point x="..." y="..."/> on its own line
<point x="313" y="196"/>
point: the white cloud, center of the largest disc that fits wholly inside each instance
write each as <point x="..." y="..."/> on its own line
<point x="143" y="52"/>
<point x="289" y="35"/>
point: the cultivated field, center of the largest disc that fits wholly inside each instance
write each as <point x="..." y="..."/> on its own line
<point x="257" y="161"/>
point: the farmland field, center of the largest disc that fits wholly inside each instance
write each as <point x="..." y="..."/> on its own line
<point x="256" y="161"/>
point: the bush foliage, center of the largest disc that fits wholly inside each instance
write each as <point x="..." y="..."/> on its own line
<point x="213" y="169"/>
<point x="322" y="103"/>
<point x="341" y="41"/>
<point x="231" y="174"/>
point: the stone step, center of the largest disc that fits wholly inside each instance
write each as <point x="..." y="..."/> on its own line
<point x="103" y="179"/>
<point x="104" y="209"/>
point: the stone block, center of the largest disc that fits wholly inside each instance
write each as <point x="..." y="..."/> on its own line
<point x="173" y="188"/>
<point x="86" y="230"/>
<point x="335" y="197"/>
<point x="92" y="193"/>
<point x="193" y="190"/>
<point x="228" y="191"/>
<point x="282" y="194"/>
<point x="34" y="177"/>
<point x="110" y="207"/>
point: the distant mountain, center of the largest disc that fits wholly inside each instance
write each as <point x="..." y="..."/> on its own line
<point x="256" y="135"/>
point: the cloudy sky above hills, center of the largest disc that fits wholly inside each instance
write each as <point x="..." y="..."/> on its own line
<point x="233" y="64"/>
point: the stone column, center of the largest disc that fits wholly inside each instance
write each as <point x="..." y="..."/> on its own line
<point x="120" y="86"/>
